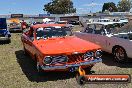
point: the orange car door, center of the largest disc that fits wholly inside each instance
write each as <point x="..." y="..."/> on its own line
<point x="29" y="42"/>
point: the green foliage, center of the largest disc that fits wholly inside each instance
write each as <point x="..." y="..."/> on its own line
<point x="110" y="6"/>
<point x="60" y="7"/>
<point x="124" y="5"/>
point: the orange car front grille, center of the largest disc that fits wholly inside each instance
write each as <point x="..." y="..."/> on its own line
<point x="75" y="58"/>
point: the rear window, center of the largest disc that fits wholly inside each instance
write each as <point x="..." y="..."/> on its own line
<point x="3" y="24"/>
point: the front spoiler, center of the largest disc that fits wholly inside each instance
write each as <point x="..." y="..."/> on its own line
<point x="71" y="65"/>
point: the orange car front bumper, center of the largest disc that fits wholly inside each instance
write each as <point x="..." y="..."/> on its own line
<point x="71" y="67"/>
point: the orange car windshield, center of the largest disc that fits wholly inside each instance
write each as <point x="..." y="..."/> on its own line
<point x="50" y="32"/>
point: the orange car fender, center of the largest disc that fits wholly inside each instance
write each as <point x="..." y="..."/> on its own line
<point x="39" y="55"/>
<point x="40" y="58"/>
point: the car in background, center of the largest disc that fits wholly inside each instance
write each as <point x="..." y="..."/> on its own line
<point x="74" y="22"/>
<point x="34" y="23"/>
<point x="50" y="22"/>
<point x="15" y="27"/>
<point x="117" y="41"/>
<point x="104" y="20"/>
<point x="62" y="22"/>
<point x="4" y="32"/>
<point x="53" y="48"/>
<point x="123" y="20"/>
<point x="65" y="22"/>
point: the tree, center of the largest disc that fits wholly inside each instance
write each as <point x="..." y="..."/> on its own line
<point x="124" y="5"/>
<point x="110" y="6"/>
<point x="59" y="7"/>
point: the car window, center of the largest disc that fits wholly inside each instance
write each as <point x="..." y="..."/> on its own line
<point x="89" y="28"/>
<point x="123" y="36"/>
<point x="99" y="29"/>
<point x="49" y="32"/>
<point x="98" y="26"/>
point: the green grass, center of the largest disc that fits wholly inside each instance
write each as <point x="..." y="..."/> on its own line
<point x="18" y="70"/>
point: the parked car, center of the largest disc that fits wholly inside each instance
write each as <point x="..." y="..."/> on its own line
<point x="37" y="23"/>
<point x="4" y="32"/>
<point x="74" y="22"/>
<point x="62" y="22"/>
<point x="53" y="48"/>
<point x="124" y="20"/>
<point x="15" y="27"/>
<point x="65" y="22"/>
<point x="104" y="20"/>
<point x="117" y="41"/>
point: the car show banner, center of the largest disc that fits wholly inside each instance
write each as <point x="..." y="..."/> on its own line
<point x="104" y="78"/>
<point x="16" y="15"/>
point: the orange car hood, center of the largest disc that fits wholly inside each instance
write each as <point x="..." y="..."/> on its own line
<point x="65" y="45"/>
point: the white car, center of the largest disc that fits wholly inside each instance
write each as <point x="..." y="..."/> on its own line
<point x="104" y="20"/>
<point x="125" y="21"/>
<point x="119" y="44"/>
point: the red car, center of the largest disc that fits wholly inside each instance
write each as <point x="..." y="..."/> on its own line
<point x="54" y="48"/>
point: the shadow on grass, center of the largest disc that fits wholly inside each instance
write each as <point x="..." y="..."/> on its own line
<point x="109" y="60"/>
<point x="28" y="67"/>
<point x="19" y="31"/>
<point x="5" y="42"/>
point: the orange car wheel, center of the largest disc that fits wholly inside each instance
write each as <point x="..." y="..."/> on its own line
<point x="38" y="68"/>
<point x="25" y="51"/>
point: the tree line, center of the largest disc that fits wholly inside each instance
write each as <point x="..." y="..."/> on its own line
<point x="66" y="6"/>
<point x="122" y="6"/>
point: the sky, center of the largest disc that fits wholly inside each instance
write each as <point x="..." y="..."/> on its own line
<point x="36" y="6"/>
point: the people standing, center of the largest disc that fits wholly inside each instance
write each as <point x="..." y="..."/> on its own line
<point x="23" y="25"/>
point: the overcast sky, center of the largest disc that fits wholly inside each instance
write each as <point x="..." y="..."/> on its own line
<point x="36" y="6"/>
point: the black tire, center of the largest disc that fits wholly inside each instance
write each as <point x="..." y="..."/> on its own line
<point x="25" y="51"/>
<point x="38" y="68"/>
<point x="119" y="54"/>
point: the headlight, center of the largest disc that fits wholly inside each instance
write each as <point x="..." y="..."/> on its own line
<point x="88" y="55"/>
<point x="47" y="60"/>
<point x="55" y="59"/>
<point x="98" y="54"/>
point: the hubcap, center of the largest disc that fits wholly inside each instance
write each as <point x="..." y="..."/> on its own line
<point x="119" y="53"/>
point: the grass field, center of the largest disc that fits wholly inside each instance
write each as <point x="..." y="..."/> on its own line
<point x="18" y="71"/>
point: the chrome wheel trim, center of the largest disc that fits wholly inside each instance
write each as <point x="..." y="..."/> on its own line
<point x="119" y="54"/>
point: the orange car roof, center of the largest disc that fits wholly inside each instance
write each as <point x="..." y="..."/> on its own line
<point x="46" y="25"/>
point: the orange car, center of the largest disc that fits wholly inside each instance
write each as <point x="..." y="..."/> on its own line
<point x="54" y="48"/>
